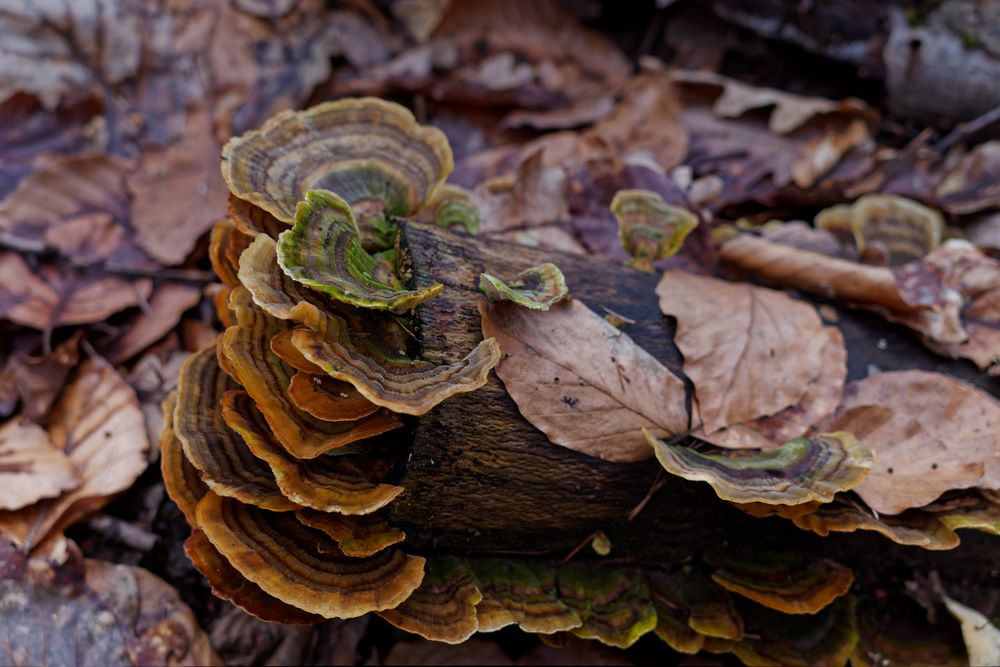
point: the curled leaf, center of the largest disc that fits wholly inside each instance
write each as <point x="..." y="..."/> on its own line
<point x="323" y="251"/>
<point x="649" y="227"/>
<point x="302" y="566"/>
<point x="443" y="608"/>
<point x="582" y="382"/>
<point x="31" y="467"/>
<point x="804" y="469"/>
<point x="367" y="150"/>
<point x="537" y="287"/>
<point x="900" y="228"/>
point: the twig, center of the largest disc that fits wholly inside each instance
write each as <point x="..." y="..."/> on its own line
<point x="964" y="131"/>
<point x="657" y="484"/>
<point x="587" y="540"/>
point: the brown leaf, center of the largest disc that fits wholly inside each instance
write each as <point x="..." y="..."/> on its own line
<point x="168" y="303"/>
<point x="97" y="423"/>
<point x="119" y="615"/>
<point x="53" y="49"/>
<point x="535" y="195"/>
<point x="54" y="296"/>
<point x="31" y="467"/>
<point x="930" y="433"/>
<point x="972" y="185"/>
<point x="750" y="351"/>
<point x="582" y="382"/>
<point x="37" y="381"/>
<point x="177" y="193"/>
<point x="822" y="396"/>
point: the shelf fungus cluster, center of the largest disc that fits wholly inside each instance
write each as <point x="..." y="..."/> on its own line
<point x="290" y="446"/>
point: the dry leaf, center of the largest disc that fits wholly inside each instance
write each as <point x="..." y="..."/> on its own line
<point x="55" y="48"/>
<point x="115" y="615"/>
<point x="750" y="351"/>
<point x="97" y="423"/>
<point x="582" y="382"/>
<point x="168" y="303"/>
<point x="821" y="398"/>
<point x="53" y="296"/>
<point x="535" y="195"/>
<point x="31" y="467"/>
<point x="930" y="433"/>
<point x="177" y="194"/>
<point x="37" y="381"/>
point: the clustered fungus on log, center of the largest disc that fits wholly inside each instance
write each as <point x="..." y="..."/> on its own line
<point x="283" y="442"/>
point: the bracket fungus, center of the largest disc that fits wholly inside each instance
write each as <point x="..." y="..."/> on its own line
<point x="537" y="287"/>
<point x="650" y="228"/>
<point x="313" y="448"/>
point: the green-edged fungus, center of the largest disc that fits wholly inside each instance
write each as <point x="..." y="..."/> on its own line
<point x="323" y="251"/>
<point x="522" y="594"/>
<point x="650" y="228"/>
<point x="219" y="454"/>
<point x="302" y="566"/>
<point x="916" y="528"/>
<point x="451" y="207"/>
<point x="444" y="607"/>
<point x="180" y="479"/>
<point x="974" y="510"/>
<point x="537" y="287"/>
<point x="327" y="399"/>
<point x="358" y="536"/>
<point x="804" y="469"/>
<point x="895" y="226"/>
<point x="828" y="637"/>
<point x="325" y="483"/>
<point x="787" y="582"/>
<point x="613" y="603"/>
<point x="266" y="378"/>
<point x="707" y="608"/>
<point x="399" y="383"/>
<point x="371" y="152"/>
<point x="228" y="584"/>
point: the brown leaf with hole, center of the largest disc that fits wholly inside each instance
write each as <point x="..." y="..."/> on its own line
<point x="820" y="399"/>
<point x="582" y="382"/>
<point x="31" y="467"/>
<point x="930" y="432"/>
<point x="750" y="351"/>
<point x="98" y="424"/>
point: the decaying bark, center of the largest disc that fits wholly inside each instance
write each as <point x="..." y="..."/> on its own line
<point x="480" y="479"/>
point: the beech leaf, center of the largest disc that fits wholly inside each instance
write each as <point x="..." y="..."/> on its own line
<point x="98" y="424"/>
<point x="930" y="433"/>
<point x="582" y="382"/>
<point x="31" y="467"/>
<point x="750" y="351"/>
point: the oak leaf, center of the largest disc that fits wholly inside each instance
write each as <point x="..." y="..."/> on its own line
<point x="750" y="351"/>
<point x="582" y="382"/>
